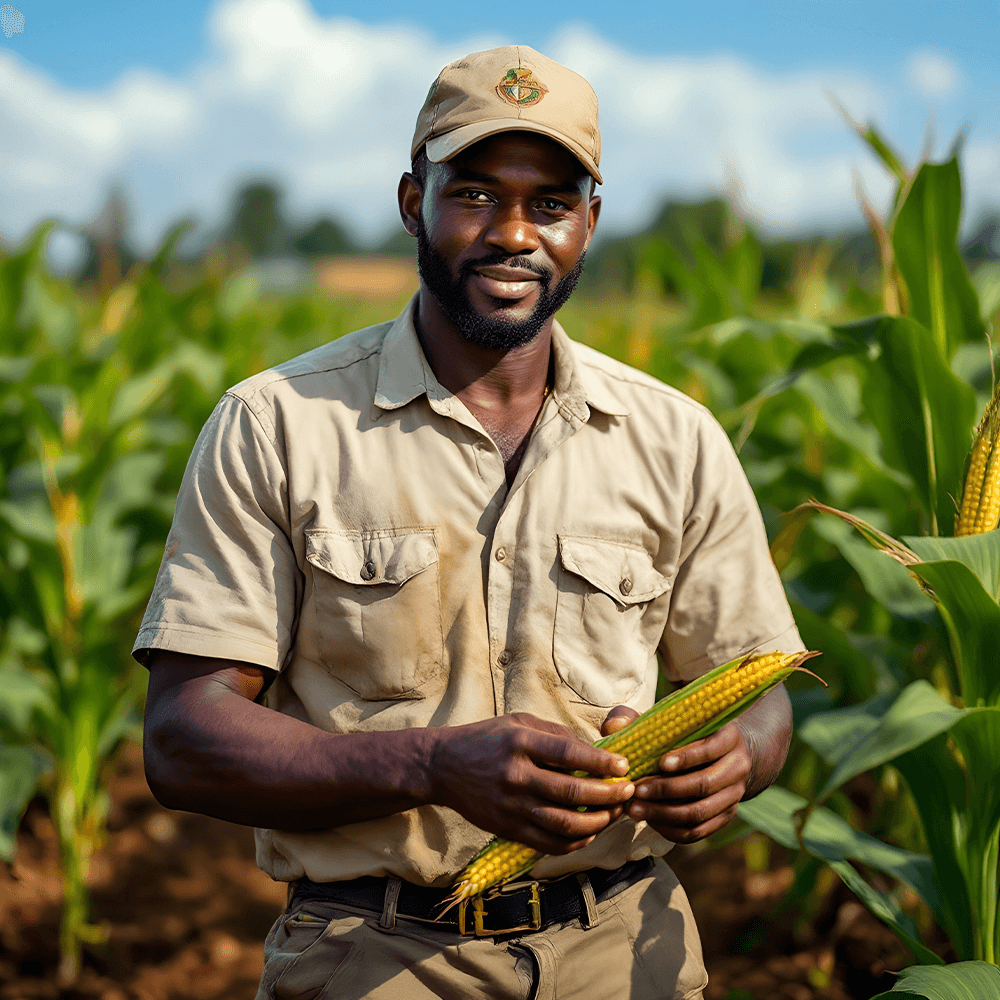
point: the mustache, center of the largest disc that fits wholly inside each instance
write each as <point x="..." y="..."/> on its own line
<point x="505" y="260"/>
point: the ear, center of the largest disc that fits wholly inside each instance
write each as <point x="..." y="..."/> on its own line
<point x="410" y="196"/>
<point x="593" y="211"/>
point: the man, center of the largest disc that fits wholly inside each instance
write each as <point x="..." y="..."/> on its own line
<point x="415" y="573"/>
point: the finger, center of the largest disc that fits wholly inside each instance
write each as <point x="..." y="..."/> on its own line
<point x="569" y="825"/>
<point x="542" y="840"/>
<point x="690" y="815"/>
<point x="733" y="769"/>
<point x="618" y="718"/>
<point x="574" y="755"/>
<point x="567" y="790"/>
<point x="704" y="751"/>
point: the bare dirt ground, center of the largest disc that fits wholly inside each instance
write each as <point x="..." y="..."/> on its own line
<point x="186" y="911"/>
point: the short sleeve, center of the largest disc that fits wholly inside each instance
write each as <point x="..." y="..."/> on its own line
<point x="228" y="586"/>
<point x="727" y="597"/>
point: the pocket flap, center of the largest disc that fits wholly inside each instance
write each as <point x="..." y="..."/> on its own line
<point x="364" y="558"/>
<point x="624" y="573"/>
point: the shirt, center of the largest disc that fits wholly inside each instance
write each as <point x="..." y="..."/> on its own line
<point x="345" y="521"/>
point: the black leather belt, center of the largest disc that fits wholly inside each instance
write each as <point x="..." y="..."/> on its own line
<point x="516" y="907"/>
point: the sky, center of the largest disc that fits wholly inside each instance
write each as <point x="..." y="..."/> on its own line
<point x="183" y="102"/>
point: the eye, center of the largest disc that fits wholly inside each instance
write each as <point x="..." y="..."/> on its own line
<point x="477" y="197"/>
<point x="553" y="205"/>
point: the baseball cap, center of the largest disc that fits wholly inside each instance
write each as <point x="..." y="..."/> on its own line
<point x="509" y="88"/>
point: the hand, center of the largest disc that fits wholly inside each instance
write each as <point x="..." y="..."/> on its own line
<point x="699" y="787"/>
<point x="509" y="776"/>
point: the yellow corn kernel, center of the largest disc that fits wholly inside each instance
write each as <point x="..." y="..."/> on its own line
<point x="989" y="500"/>
<point x="966" y="517"/>
<point x="980" y="508"/>
<point x="643" y="742"/>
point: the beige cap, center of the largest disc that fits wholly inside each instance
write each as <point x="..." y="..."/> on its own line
<point x="513" y="87"/>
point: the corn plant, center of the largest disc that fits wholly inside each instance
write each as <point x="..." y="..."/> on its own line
<point x="944" y="744"/>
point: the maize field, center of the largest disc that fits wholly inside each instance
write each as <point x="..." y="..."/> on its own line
<point x="864" y="411"/>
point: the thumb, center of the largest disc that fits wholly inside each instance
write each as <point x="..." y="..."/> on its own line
<point x="618" y="718"/>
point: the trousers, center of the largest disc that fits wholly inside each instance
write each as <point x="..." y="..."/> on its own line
<point x="640" y="944"/>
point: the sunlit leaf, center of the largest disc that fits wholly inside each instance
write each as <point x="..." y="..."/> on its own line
<point x="972" y="618"/>
<point x="923" y="412"/>
<point x="959" y="981"/>
<point x="925" y="239"/>
<point x="917" y="714"/>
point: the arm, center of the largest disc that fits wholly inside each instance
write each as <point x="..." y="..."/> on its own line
<point x="701" y="784"/>
<point x="210" y="748"/>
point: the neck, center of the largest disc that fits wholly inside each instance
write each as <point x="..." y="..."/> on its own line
<point x="488" y="379"/>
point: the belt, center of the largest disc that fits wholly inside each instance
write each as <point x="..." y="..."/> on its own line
<point x="512" y="908"/>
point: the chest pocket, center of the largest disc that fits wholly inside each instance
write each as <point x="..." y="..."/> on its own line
<point x="377" y="609"/>
<point x="607" y="621"/>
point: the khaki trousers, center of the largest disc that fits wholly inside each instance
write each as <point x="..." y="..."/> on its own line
<point x="641" y="944"/>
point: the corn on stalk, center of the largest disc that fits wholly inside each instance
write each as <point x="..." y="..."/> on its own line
<point x="944" y="744"/>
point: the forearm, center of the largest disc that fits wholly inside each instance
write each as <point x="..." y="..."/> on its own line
<point x="212" y="751"/>
<point x="767" y="731"/>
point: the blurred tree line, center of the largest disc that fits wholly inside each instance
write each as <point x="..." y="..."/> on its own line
<point x="256" y="228"/>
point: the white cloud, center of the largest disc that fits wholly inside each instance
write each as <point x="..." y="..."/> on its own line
<point x="933" y="75"/>
<point x="327" y="107"/>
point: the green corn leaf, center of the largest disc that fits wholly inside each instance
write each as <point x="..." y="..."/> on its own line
<point x="937" y="785"/>
<point x="832" y="734"/>
<point x="23" y="695"/>
<point x="20" y="770"/>
<point x="917" y="714"/>
<point x="972" y="618"/>
<point x="924" y="413"/>
<point x="831" y="838"/>
<point x="886" y="580"/>
<point x="828" y="837"/>
<point x="979" y="553"/>
<point x="886" y="909"/>
<point x="925" y="241"/>
<point x="959" y="981"/>
<point x="987" y="284"/>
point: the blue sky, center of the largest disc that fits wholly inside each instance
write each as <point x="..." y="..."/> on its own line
<point x="182" y="101"/>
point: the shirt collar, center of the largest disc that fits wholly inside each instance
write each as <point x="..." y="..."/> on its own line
<point x="404" y="372"/>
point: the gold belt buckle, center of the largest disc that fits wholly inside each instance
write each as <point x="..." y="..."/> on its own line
<point x="479" y="928"/>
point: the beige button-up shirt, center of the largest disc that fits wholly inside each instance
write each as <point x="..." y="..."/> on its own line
<point x="345" y="521"/>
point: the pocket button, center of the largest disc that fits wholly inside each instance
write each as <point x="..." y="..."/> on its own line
<point x="625" y="586"/>
<point x="368" y="570"/>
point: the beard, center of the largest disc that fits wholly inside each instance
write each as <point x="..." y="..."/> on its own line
<point x="497" y="332"/>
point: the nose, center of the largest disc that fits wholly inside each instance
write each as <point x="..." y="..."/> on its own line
<point x="512" y="231"/>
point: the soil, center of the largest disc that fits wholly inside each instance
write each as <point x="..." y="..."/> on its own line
<point x="185" y="910"/>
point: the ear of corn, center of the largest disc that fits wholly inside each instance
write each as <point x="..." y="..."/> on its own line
<point x="693" y="712"/>
<point x="980" y="508"/>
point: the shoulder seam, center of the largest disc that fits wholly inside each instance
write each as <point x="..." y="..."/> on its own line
<point x="654" y="384"/>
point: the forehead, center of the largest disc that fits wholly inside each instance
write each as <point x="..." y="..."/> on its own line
<point x="517" y="152"/>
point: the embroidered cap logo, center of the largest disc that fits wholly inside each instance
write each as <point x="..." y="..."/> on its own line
<point x="520" y="88"/>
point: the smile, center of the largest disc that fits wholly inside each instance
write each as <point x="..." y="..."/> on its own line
<point x="505" y="282"/>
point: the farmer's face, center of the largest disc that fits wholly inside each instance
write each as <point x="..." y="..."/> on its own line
<point x="502" y="230"/>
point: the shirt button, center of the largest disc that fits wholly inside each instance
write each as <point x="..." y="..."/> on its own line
<point x="501" y="554"/>
<point x="504" y="658"/>
<point x="625" y="586"/>
<point x="368" y="570"/>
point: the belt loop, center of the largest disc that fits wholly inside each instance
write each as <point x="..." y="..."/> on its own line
<point x="292" y="886"/>
<point x="388" y="918"/>
<point x="588" y="915"/>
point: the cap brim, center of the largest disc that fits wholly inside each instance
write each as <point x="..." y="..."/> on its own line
<point x="444" y="147"/>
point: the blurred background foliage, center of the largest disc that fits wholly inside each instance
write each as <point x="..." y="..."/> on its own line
<point x="107" y="376"/>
